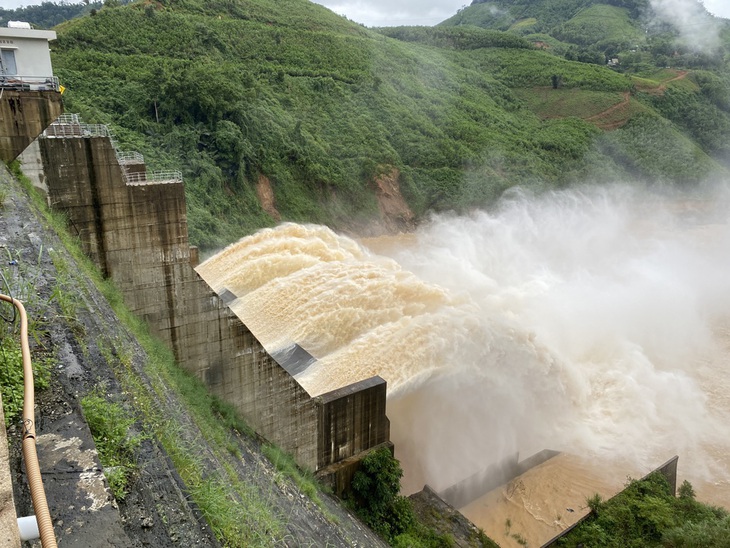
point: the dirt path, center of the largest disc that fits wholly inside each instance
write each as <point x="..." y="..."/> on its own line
<point x="600" y="119"/>
<point x="662" y="87"/>
<point x="682" y="74"/>
<point x="610" y="110"/>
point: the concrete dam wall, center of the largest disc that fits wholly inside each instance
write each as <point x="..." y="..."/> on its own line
<point x="133" y="225"/>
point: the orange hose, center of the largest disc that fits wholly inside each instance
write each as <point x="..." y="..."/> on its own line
<point x="37" y="493"/>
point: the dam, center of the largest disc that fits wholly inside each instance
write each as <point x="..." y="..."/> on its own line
<point x="132" y="223"/>
<point x="592" y="322"/>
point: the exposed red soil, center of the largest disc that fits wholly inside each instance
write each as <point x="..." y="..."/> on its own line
<point x="394" y="211"/>
<point x="266" y="197"/>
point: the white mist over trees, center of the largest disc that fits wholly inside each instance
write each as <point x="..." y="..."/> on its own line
<point x="692" y="20"/>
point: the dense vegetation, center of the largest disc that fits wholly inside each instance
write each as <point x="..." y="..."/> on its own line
<point x="375" y="497"/>
<point x="237" y="93"/>
<point x="648" y="514"/>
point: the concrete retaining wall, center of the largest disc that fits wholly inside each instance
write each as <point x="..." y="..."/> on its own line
<point x="137" y="235"/>
<point x="345" y="420"/>
<point x="23" y="117"/>
<point x="8" y="518"/>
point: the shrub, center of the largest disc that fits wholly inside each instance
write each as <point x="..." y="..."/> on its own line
<point x="375" y="487"/>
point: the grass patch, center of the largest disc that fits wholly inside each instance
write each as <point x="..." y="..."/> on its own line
<point x="111" y="424"/>
<point x="562" y="103"/>
<point x="523" y="25"/>
<point x="304" y="480"/>
<point x="11" y="377"/>
<point x="645" y="84"/>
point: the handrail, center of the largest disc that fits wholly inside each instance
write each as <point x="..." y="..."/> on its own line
<point x="131" y="157"/>
<point x="70" y="125"/>
<point x="30" y="456"/>
<point x="64" y="129"/>
<point x="35" y="83"/>
<point x="143" y="178"/>
<point x="68" y="119"/>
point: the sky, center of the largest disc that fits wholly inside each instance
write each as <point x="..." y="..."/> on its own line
<point x="383" y="13"/>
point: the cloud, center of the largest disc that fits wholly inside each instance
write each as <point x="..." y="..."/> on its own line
<point x="691" y="18"/>
<point x="382" y="13"/>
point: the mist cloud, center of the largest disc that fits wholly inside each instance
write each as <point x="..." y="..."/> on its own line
<point x="688" y="15"/>
<point x="594" y="308"/>
<point x="691" y="18"/>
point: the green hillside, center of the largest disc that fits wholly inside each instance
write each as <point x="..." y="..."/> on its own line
<point x="630" y="32"/>
<point x="235" y="92"/>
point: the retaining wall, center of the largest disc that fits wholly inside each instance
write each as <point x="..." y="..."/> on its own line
<point x="23" y="117"/>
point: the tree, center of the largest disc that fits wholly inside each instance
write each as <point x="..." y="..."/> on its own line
<point x="375" y="487"/>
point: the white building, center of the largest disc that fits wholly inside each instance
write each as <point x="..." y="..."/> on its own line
<point x="25" y="59"/>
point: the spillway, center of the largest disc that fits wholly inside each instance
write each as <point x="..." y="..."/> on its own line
<point x="587" y="321"/>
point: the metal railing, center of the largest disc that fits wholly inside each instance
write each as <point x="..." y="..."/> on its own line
<point x="96" y="130"/>
<point x="157" y="177"/>
<point x="29" y="83"/>
<point x="131" y="157"/>
<point x="70" y="125"/>
<point x="68" y="119"/>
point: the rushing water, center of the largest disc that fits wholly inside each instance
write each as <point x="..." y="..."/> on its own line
<point x="591" y="321"/>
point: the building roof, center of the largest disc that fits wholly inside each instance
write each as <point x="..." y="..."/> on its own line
<point x="27" y="33"/>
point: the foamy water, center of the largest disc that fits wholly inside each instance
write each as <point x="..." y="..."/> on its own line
<point x="588" y="321"/>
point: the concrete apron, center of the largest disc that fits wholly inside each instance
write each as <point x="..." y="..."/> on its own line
<point x="8" y="520"/>
<point x="78" y="498"/>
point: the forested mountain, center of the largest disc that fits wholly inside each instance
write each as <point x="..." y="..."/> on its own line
<point x="47" y="14"/>
<point x="285" y="94"/>
<point x="632" y="32"/>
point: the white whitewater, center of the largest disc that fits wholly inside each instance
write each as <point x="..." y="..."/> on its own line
<point x="592" y="321"/>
